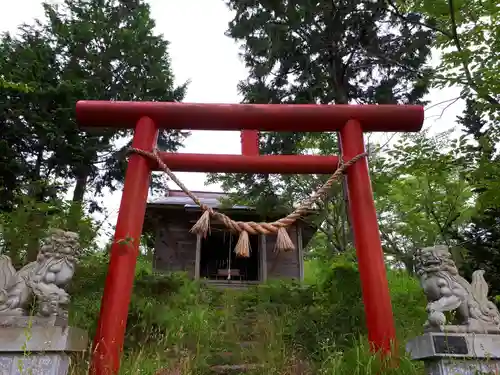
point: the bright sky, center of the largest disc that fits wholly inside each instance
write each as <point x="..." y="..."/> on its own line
<point x="202" y="54"/>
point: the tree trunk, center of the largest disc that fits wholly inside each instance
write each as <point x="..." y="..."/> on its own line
<point x="33" y="248"/>
<point x="76" y="210"/>
<point x="37" y="192"/>
<point x="409" y="264"/>
<point x="347" y="233"/>
<point x="13" y="254"/>
<point x="81" y="184"/>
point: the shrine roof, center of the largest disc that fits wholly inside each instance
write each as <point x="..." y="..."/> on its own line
<point x="179" y="198"/>
<point x="176" y="201"/>
<point x="188" y="203"/>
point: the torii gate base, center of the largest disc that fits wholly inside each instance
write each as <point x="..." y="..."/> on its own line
<point x="350" y="120"/>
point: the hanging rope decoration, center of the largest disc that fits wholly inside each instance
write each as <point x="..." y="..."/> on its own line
<point x="283" y="241"/>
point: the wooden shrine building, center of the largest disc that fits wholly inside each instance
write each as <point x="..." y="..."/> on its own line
<point x="213" y="258"/>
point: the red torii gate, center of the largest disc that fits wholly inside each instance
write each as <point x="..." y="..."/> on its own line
<point x="148" y="117"/>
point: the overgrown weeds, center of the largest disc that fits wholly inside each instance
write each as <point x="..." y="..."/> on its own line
<point x="175" y="323"/>
<point x="285" y="327"/>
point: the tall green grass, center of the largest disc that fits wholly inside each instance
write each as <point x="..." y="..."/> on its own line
<point x="317" y="327"/>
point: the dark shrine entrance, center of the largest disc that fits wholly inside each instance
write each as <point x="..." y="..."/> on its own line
<point x="218" y="260"/>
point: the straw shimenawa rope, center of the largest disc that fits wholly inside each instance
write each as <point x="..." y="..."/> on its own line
<point x="283" y="241"/>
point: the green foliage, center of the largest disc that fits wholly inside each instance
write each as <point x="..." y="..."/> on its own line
<point x="176" y="322"/>
<point x="316" y="318"/>
<point x="469" y="43"/>
<point x="406" y="291"/>
<point x="80" y="50"/>
<point x="428" y="189"/>
<point x="310" y="52"/>
<point x="22" y="228"/>
<point x="482" y="240"/>
<point x="468" y="39"/>
<point x="421" y="193"/>
<point x="320" y="52"/>
<point x="21" y="87"/>
<point x="28" y="136"/>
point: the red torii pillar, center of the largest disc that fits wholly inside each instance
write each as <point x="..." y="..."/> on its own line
<point x="250" y="142"/>
<point x="147" y="117"/>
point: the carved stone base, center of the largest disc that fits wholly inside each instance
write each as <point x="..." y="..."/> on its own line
<point x="457" y="354"/>
<point x="46" y="364"/>
<point x="462" y="367"/>
<point x="38" y="349"/>
<point x="474" y="327"/>
<point x="32" y="321"/>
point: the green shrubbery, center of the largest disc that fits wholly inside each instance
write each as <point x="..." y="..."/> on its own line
<point x="176" y="322"/>
<point x="22" y="228"/>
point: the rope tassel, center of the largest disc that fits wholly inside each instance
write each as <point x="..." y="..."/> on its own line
<point x="242" y="248"/>
<point x="283" y="241"/>
<point x="202" y="226"/>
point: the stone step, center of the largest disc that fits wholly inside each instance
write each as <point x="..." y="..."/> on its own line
<point x="240" y="352"/>
<point x="224" y="284"/>
<point x="244" y="344"/>
<point x="235" y="369"/>
<point x="242" y="317"/>
<point x="249" y="311"/>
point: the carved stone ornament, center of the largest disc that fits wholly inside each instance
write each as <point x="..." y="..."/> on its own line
<point x="44" y="279"/>
<point x="447" y="291"/>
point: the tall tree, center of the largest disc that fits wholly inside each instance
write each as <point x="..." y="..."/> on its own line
<point x="28" y="134"/>
<point x="99" y="49"/>
<point x="324" y="52"/>
<point x="82" y="49"/>
<point x="109" y="51"/>
<point x="481" y="239"/>
<point x="422" y="195"/>
<point x="467" y="36"/>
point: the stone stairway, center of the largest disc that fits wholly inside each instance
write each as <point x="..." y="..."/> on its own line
<point x="228" y="362"/>
<point x="233" y="285"/>
<point x="238" y="357"/>
<point x="234" y="369"/>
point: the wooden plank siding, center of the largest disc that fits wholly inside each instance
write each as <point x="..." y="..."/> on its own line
<point x="283" y="265"/>
<point x="175" y="250"/>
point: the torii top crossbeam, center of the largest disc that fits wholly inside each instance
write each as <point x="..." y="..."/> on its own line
<point x="148" y="117"/>
<point x="265" y="117"/>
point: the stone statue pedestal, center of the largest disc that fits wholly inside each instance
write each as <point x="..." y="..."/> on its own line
<point x="457" y="353"/>
<point x="36" y="345"/>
